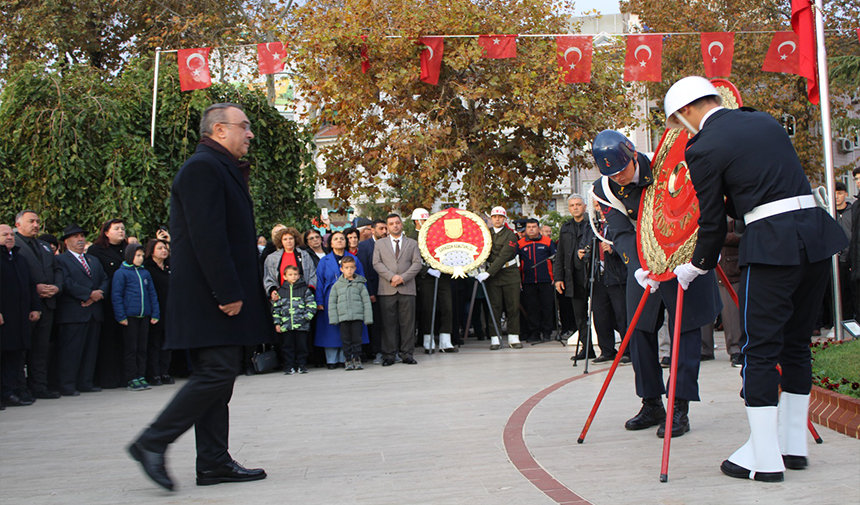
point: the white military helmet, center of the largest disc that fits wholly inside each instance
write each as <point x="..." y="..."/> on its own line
<point x="686" y="91"/>
<point x="499" y="211"/>
<point x="420" y="213"/>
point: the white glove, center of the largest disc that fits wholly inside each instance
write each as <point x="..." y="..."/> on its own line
<point x="686" y="273"/>
<point x="481" y="277"/>
<point x="645" y="281"/>
<point x="435" y="273"/>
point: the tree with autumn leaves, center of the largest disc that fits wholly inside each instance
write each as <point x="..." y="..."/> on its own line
<point x="491" y="132"/>
<point x="777" y="94"/>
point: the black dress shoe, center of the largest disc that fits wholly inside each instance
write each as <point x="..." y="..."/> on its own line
<point x="155" y="381"/>
<point x="153" y="465"/>
<point x="706" y="357"/>
<point x="25" y="396"/>
<point x="70" y="393"/>
<point x="166" y="379"/>
<point x="409" y="361"/>
<point x="44" y="394"/>
<point x="603" y="358"/>
<point x="739" y="472"/>
<point x="331" y="366"/>
<point x="249" y="371"/>
<point x="231" y="472"/>
<point x="581" y="356"/>
<point x="795" y="462"/>
<point x="680" y="421"/>
<point x="387" y="362"/>
<point x="15" y="401"/>
<point x="652" y="413"/>
<point x="94" y="389"/>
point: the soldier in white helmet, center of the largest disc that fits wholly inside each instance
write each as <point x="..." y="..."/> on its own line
<point x="503" y="279"/>
<point x="428" y="280"/>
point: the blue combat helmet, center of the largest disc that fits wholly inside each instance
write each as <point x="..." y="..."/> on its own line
<point x="612" y="152"/>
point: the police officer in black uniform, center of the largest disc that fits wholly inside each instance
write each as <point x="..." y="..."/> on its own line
<point x="742" y="163"/>
<point x="626" y="173"/>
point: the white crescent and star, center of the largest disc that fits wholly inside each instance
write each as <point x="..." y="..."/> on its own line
<point x="779" y="49"/>
<point x="275" y="54"/>
<point x="636" y="54"/>
<point x="431" y="52"/>
<point x="496" y="41"/>
<point x="195" y="72"/>
<point x="576" y="50"/>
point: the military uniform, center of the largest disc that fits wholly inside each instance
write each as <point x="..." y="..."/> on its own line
<point x="503" y="285"/>
<point x="426" y="286"/>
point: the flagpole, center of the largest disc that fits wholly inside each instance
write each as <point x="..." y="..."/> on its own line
<point x="154" y="96"/>
<point x="827" y="139"/>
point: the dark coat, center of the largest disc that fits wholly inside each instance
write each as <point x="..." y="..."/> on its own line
<point x="133" y="294"/>
<point x="365" y="256"/>
<point x="161" y="280"/>
<point x="614" y="271"/>
<point x="502" y="250"/>
<point x="701" y="300"/>
<point x="729" y="254"/>
<point x="854" y="250"/>
<point x="43" y="269"/>
<point x="296" y="306"/>
<point x="536" y="252"/>
<point x="213" y="257"/>
<point x="18" y="297"/>
<point x="77" y="287"/>
<point x="568" y="268"/>
<point x="111" y="257"/>
<point x="741" y="159"/>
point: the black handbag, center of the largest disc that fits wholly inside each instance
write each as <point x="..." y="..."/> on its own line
<point x="265" y="361"/>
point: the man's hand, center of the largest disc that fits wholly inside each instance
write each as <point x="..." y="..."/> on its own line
<point x="559" y="286"/>
<point x="47" y="290"/>
<point x="87" y="302"/>
<point x="1" y="320"/>
<point x="396" y="281"/>
<point x="606" y="247"/>
<point x="580" y="253"/>
<point x="275" y="296"/>
<point x="372" y="298"/>
<point x="124" y="322"/>
<point x="645" y="281"/>
<point x="153" y="321"/>
<point x="481" y="277"/>
<point x="231" y="309"/>
<point x="320" y="307"/>
<point x="97" y="295"/>
<point x="435" y="273"/>
<point x="686" y="273"/>
<point x="35" y="315"/>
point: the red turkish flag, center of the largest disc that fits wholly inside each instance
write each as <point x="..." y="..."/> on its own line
<point x="431" y="58"/>
<point x="644" y="60"/>
<point x="270" y="57"/>
<point x="574" y="57"/>
<point x="718" y="48"/>
<point x="497" y="47"/>
<point x="365" y="59"/>
<point x="194" y="68"/>
<point x="801" y="24"/>
<point x="782" y="55"/>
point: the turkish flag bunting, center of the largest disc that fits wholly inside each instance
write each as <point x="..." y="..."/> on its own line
<point x="194" y="68"/>
<point x="801" y="24"/>
<point x="365" y="59"/>
<point x="718" y="48"/>
<point x="782" y="54"/>
<point x="431" y="58"/>
<point x="270" y="57"/>
<point x="644" y="60"/>
<point x="574" y="57"/>
<point x="497" y="47"/>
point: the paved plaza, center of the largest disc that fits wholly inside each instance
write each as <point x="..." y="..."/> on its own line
<point x="455" y="429"/>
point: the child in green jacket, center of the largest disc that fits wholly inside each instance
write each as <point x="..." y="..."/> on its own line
<point x="349" y="306"/>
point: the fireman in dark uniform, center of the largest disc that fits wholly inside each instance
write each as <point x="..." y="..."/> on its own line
<point x="538" y="296"/>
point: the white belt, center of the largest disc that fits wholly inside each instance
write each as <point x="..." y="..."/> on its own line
<point x="511" y="263"/>
<point x="780" y="207"/>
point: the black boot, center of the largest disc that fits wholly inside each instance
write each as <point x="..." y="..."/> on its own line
<point x="652" y="413"/>
<point x="680" y="421"/>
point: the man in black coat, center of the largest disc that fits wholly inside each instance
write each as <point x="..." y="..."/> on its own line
<point x="19" y="305"/>
<point x="80" y="313"/>
<point x="49" y="282"/>
<point x="217" y="303"/>
<point x="569" y="269"/>
<point x="742" y="163"/>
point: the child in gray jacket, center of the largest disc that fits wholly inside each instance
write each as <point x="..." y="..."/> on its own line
<point x="349" y="306"/>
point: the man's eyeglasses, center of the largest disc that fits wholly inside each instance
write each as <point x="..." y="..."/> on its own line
<point x="244" y="126"/>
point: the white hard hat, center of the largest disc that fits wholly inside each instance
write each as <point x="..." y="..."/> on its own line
<point x="420" y="213"/>
<point x="685" y="92"/>
<point x="499" y="211"/>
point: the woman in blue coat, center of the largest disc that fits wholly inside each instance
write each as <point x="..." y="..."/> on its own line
<point x="328" y="270"/>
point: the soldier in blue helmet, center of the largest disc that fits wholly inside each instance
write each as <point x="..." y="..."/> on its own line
<point x="626" y="173"/>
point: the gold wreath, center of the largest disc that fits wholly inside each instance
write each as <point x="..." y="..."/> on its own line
<point x="460" y="271"/>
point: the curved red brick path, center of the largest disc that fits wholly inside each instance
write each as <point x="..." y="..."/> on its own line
<point x="518" y="451"/>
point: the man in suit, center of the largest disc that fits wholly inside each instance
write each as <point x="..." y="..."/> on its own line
<point x="49" y="282"/>
<point x="742" y="163"/>
<point x="503" y="279"/>
<point x="397" y="261"/>
<point x="80" y="313"/>
<point x="626" y="173"/>
<point x="217" y="302"/>
<point x="379" y="230"/>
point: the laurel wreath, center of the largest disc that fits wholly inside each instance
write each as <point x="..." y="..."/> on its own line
<point x="458" y="271"/>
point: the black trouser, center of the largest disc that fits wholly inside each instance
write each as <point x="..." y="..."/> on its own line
<point x="609" y="310"/>
<point x="203" y="403"/>
<point x="580" y="311"/>
<point x="157" y="359"/>
<point x="11" y="362"/>
<point x="79" y="346"/>
<point x="350" y="336"/>
<point x="846" y="291"/>
<point x="778" y="309"/>
<point x="426" y="288"/>
<point x="539" y="303"/>
<point x="398" y="312"/>
<point x="646" y="363"/>
<point x="37" y="356"/>
<point x="109" y="369"/>
<point x="294" y="348"/>
<point x="374" y="331"/>
<point x="134" y="339"/>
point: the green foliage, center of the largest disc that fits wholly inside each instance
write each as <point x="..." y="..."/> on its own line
<point x="834" y="366"/>
<point x="75" y="147"/>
